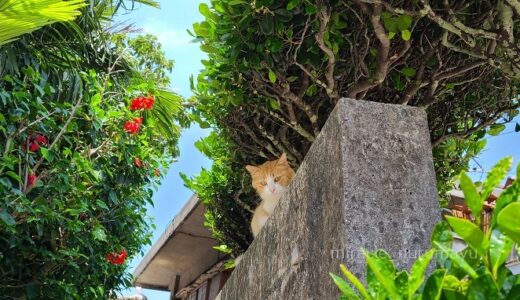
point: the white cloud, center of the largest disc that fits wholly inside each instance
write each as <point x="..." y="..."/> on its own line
<point x="169" y="38"/>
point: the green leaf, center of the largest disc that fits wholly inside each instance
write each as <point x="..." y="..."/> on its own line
<point x="500" y="246"/>
<point x="267" y="24"/>
<point x="470" y="233"/>
<point x="434" y="284"/>
<point x="223" y="249"/>
<point x="102" y="204"/>
<point x="404" y="22"/>
<point x="495" y="176"/>
<point x="274" y="104"/>
<point x="451" y="283"/>
<point x="204" y="10"/>
<point x="389" y="22"/>
<point x="406" y="35"/>
<point x="391" y="35"/>
<point x="509" y="221"/>
<point x="47" y="154"/>
<point x="272" y="76"/>
<point x="99" y="233"/>
<point x="13" y="175"/>
<point x="401" y="282"/>
<point x="207" y="48"/>
<point x="408" y="72"/>
<point x="292" y="4"/>
<point x="113" y="196"/>
<point x="457" y="259"/>
<point x="383" y="268"/>
<point x="471" y="196"/>
<point x="442" y="234"/>
<point x="496" y="129"/>
<point x="343" y="286"/>
<point x="517" y="127"/>
<point x="483" y="288"/>
<point x="310" y="9"/>
<point x="6" y="217"/>
<point x="417" y="272"/>
<point x="355" y="281"/>
<point x="236" y="2"/>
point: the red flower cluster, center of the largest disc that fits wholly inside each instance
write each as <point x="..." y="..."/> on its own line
<point x="142" y="103"/>
<point x="117" y="259"/>
<point x="138" y="162"/>
<point x="133" y="126"/>
<point x="36" y="142"/>
<point x="31" y="180"/>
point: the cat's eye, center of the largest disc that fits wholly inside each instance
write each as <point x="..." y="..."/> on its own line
<point x="277" y="178"/>
<point x="263" y="183"/>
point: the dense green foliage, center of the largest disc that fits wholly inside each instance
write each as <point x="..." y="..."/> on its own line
<point x="477" y="272"/>
<point x="275" y="70"/>
<point x="74" y="180"/>
<point x="36" y="13"/>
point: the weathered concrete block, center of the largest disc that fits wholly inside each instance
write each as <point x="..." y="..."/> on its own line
<point x="367" y="182"/>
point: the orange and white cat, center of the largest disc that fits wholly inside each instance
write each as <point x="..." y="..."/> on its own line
<point x="270" y="181"/>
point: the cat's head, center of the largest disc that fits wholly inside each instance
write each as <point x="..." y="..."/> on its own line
<point x="272" y="177"/>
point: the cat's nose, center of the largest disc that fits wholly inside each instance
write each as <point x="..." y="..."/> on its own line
<point x="272" y="190"/>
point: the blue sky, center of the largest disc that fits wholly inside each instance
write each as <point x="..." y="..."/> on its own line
<point x="169" y="24"/>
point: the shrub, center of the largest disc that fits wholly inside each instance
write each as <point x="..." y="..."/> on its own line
<point x="74" y="183"/>
<point x="276" y="69"/>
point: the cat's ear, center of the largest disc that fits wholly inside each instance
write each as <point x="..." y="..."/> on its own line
<point x="251" y="169"/>
<point x="283" y="159"/>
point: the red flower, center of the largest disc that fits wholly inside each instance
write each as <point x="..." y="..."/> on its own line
<point x="148" y="102"/>
<point x="117" y="259"/>
<point x="142" y="103"/>
<point x="34" y="146"/>
<point x="40" y="139"/>
<point x="31" y="180"/>
<point x="36" y="142"/>
<point x="136" y="104"/>
<point x="138" y="163"/>
<point x="133" y="126"/>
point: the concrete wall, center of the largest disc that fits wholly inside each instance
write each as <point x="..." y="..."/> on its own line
<point x="367" y="182"/>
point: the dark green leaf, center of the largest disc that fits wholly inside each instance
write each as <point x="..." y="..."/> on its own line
<point x="433" y="287"/>
<point x="408" y="72"/>
<point x="483" y="288"/>
<point x="6" y="217"/>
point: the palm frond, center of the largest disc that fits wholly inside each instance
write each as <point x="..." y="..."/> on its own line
<point x="21" y="17"/>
